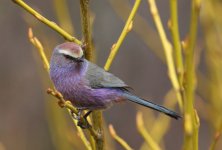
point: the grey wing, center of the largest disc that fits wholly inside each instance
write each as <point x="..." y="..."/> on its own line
<point x="98" y="78"/>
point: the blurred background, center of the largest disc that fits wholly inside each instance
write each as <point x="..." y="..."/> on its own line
<point x="31" y="119"/>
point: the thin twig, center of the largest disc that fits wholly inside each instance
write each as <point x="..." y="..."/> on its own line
<point x="121" y="141"/>
<point x="40" y="49"/>
<point x="176" y="40"/>
<point x="49" y="23"/>
<point x="128" y="26"/>
<point x="158" y="130"/>
<point x="63" y="15"/>
<point x="141" y="27"/>
<point x="168" y="51"/>
<point x="145" y="134"/>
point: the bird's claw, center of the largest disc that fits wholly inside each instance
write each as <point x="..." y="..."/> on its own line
<point x="83" y="123"/>
<point x="78" y="115"/>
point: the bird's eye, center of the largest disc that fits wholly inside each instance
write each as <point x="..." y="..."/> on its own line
<point x="68" y="57"/>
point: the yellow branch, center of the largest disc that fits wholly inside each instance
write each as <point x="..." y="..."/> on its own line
<point x="86" y="29"/>
<point x="145" y="134"/>
<point x="119" y="139"/>
<point x="40" y="48"/>
<point x="168" y="51"/>
<point x="128" y="26"/>
<point x="81" y="134"/>
<point x="97" y="143"/>
<point x="63" y="15"/>
<point x="191" y="123"/>
<point x="176" y="40"/>
<point x="49" y="23"/>
<point x="158" y="130"/>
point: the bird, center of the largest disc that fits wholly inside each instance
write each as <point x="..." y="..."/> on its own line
<point x="88" y="86"/>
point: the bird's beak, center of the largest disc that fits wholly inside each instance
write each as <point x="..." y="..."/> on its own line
<point x="79" y="59"/>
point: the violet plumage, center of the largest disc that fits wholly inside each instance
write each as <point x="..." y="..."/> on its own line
<point x="88" y="86"/>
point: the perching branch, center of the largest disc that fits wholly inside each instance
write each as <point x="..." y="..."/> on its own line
<point x="128" y="26"/>
<point x="68" y="105"/>
<point x="81" y="134"/>
<point x="119" y="139"/>
<point x="86" y="30"/>
<point x="49" y="23"/>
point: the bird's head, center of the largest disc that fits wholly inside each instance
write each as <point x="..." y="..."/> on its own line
<point x="67" y="54"/>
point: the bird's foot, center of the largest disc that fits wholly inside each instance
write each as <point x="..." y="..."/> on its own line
<point x="82" y="120"/>
<point x="87" y="114"/>
<point x="83" y="124"/>
<point x="78" y="115"/>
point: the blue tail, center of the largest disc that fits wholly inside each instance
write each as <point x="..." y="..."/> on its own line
<point x="145" y="103"/>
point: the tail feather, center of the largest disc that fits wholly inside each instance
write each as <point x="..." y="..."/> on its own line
<point x="151" y="105"/>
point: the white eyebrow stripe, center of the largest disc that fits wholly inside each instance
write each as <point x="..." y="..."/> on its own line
<point x="65" y="52"/>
